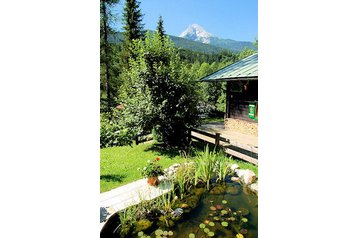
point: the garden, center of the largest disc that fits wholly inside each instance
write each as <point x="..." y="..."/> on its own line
<point x="211" y="195"/>
<point x="150" y="88"/>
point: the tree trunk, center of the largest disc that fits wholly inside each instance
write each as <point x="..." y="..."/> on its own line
<point x="106" y="51"/>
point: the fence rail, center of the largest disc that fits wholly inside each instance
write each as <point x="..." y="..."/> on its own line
<point x="242" y="151"/>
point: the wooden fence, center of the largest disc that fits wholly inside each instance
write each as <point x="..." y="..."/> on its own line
<point x="242" y="151"/>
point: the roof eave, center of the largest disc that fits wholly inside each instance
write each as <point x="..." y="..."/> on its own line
<point x="230" y="79"/>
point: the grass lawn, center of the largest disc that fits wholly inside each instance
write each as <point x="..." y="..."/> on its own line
<point x="119" y="164"/>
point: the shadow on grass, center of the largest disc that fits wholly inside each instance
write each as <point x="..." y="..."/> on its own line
<point x="112" y="177"/>
<point x="162" y="149"/>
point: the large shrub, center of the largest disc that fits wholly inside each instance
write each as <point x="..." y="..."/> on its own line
<point x="112" y="132"/>
<point x="159" y="92"/>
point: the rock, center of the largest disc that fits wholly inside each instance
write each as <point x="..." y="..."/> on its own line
<point x="178" y="212"/>
<point x="233" y="167"/>
<point x="103" y="214"/>
<point x="247" y="176"/>
<point x="254" y="187"/>
<point x="235" y="179"/>
<point x="175" y="165"/>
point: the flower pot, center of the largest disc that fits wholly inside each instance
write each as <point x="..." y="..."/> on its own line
<point x="153" y="181"/>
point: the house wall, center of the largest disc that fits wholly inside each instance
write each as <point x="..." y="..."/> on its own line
<point x="239" y="94"/>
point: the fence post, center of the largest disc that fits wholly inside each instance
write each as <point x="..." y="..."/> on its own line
<point x="136" y="140"/>
<point x="217" y="139"/>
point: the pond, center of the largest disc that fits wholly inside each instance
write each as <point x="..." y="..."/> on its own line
<point x="226" y="210"/>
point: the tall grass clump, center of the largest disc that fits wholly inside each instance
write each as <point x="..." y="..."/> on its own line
<point x="205" y="164"/>
<point x="184" y="178"/>
<point x="222" y="165"/>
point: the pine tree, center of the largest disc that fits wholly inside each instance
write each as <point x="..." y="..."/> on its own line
<point x="132" y="18"/>
<point x="133" y="29"/>
<point x="106" y="55"/>
<point x="160" y="28"/>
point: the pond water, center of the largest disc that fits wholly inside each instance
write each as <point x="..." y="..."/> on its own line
<point x="224" y="211"/>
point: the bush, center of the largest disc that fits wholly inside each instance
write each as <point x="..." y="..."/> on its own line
<point x="112" y="133"/>
<point x="159" y="93"/>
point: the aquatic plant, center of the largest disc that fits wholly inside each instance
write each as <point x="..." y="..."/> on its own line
<point x="205" y="163"/>
<point x="222" y="165"/>
<point x="224" y="223"/>
<point x="184" y="178"/>
<point x="191" y="235"/>
<point x="128" y="219"/>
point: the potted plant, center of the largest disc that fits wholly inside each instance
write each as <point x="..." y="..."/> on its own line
<point x="152" y="171"/>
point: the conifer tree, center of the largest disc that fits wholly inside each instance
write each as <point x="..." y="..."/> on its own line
<point x="106" y="52"/>
<point x="160" y="28"/>
<point x="132" y="21"/>
<point x="133" y="29"/>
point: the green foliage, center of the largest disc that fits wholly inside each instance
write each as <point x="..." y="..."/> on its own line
<point x="152" y="169"/>
<point x="158" y="92"/>
<point x="205" y="164"/>
<point x="132" y="18"/>
<point x="222" y="167"/>
<point x="108" y="57"/>
<point x="112" y="132"/>
<point x="184" y="178"/>
<point x="128" y="220"/>
<point x="160" y="28"/>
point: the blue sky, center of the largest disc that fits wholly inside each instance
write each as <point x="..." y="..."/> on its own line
<point x="228" y="19"/>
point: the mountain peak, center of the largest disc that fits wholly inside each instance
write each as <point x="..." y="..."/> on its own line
<point x="197" y="33"/>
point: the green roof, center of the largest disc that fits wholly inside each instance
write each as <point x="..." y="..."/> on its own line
<point x="245" y="69"/>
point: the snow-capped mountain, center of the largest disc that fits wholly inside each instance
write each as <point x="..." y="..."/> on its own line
<point x="196" y="32"/>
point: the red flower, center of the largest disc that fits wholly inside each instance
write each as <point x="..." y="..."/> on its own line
<point x="157" y="159"/>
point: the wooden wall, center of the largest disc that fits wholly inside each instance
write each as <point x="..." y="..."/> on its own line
<point x="239" y="94"/>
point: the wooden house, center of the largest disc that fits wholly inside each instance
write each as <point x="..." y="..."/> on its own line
<point x="241" y="88"/>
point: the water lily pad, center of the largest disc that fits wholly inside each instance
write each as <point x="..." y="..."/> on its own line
<point x="191" y="235"/>
<point x="224" y="223"/>
<point x="170" y="233"/>
<point x="141" y="233"/>
<point x="202" y="225"/>
<point x="239" y="236"/>
<point x="243" y="231"/>
<point x="211" y="234"/>
<point x="234" y="213"/>
<point x="206" y="221"/>
<point x="244" y="219"/>
<point x="206" y="230"/>
<point x="224" y="201"/>
<point x="165" y="233"/>
<point x="223" y="212"/>
<point x="231" y="219"/>
<point x="211" y="223"/>
<point x="243" y="211"/>
<point x="212" y="208"/>
<point x="158" y="232"/>
<point x="148" y="237"/>
<point x="216" y="218"/>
